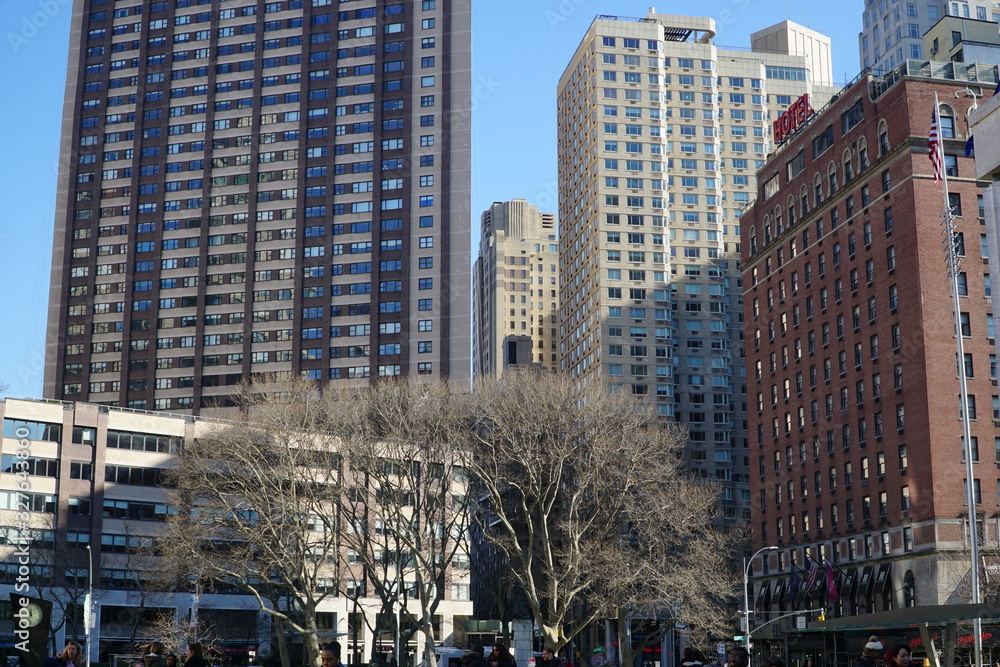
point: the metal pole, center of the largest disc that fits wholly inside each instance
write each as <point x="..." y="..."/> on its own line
<point x="748" y="634"/>
<point x="88" y="603"/>
<point x="970" y="492"/>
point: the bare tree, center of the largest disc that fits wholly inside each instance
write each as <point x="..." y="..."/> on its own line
<point x="257" y="501"/>
<point x="591" y="507"/>
<point x="176" y="632"/>
<point x="407" y="518"/>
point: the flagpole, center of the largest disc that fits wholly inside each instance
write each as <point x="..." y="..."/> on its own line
<point x="970" y="493"/>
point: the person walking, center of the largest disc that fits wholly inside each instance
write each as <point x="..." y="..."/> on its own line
<point x="690" y="658"/>
<point x="899" y="656"/>
<point x="330" y="655"/>
<point x="738" y="657"/>
<point x="549" y="659"/>
<point x="500" y="656"/>
<point x="195" y="656"/>
<point x="71" y="655"/>
<point x="871" y="655"/>
<point x="153" y="655"/>
<point x="474" y="658"/>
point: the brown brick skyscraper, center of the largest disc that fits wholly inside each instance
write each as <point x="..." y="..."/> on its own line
<point x="855" y="429"/>
<point x="259" y="186"/>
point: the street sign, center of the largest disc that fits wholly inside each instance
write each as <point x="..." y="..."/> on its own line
<point x="720" y="648"/>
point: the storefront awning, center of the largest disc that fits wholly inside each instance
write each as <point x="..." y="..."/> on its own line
<point x="910" y="617"/>
<point x="883" y="577"/>
<point x="764" y="594"/>
<point x="867" y="580"/>
<point x="851" y="581"/>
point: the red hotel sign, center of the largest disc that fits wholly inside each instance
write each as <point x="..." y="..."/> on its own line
<point x="794" y="116"/>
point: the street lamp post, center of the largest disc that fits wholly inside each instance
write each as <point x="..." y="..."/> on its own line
<point x="88" y="601"/>
<point x="746" y="599"/>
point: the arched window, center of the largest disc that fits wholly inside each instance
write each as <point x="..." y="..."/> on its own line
<point x="818" y="189"/>
<point x="804" y="198"/>
<point x="791" y="212"/>
<point x="753" y="238"/>
<point x="909" y="590"/>
<point x="947" y="121"/>
<point x="832" y="177"/>
<point x="848" y="167"/>
<point x="883" y="138"/>
<point x="863" y="153"/>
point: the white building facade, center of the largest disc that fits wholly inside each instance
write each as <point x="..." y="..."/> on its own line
<point x="93" y="481"/>
<point x="660" y="136"/>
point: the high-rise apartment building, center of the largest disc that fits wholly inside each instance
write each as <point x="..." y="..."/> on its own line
<point x="893" y="31"/>
<point x="856" y="437"/>
<point x="660" y="136"/>
<point x="260" y="186"/>
<point x="516" y="289"/>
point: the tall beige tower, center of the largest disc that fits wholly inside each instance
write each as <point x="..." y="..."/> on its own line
<point x="660" y="136"/>
<point x="516" y="289"/>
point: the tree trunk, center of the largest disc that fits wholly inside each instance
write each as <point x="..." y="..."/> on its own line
<point x="429" y="655"/>
<point x="310" y="638"/>
<point x="553" y="636"/>
<point x="279" y="637"/>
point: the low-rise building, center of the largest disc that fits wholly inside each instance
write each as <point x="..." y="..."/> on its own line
<point x="93" y="495"/>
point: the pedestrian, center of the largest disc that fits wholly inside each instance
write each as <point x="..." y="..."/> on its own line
<point x="774" y="661"/>
<point x="738" y="657"/>
<point x="195" y="656"/>
<point x="71" y="656"/>
<point x="690" y="658"/>
<point x="172" y="660"/>
<point x="474" y="658"/>
<point x="500" y="656"/>
<point x="330" y="655"/>
<point x="899" y="656"/>
<point x="153" y="655"/>
<point x="567" y="659"/>
<point x="871" y="655"/>
<point x="549" y="659"/>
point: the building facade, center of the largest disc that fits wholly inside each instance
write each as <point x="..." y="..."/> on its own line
<point x="963" y="40"/>
<point x="259" y="187"/>
<point x="660" y="135"/>
<point x="893" y="31"/>
<point x="856" y="433"/>
<point x="515" y="289"/>
<point x="93" y="480"/>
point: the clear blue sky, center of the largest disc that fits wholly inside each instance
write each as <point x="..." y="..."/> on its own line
<point x="519" y="50"/>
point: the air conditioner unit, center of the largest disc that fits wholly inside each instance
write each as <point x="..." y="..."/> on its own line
<point x="934" y="50"/>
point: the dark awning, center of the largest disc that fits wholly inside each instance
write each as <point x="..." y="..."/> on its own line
<point x="779" y="590"/>
<point x="867" y="580"/>
<point x="883" y="577"/>
<point x="763" y="594"/>
<point x="851" y="581"/>
<point x="909" y="617"/>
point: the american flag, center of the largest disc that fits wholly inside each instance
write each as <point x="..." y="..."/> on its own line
<point x="811" y="576"/>
<point x="934" y="144"/>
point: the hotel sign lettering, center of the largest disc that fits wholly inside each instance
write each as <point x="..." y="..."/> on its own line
<point x="794" y="115"/>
